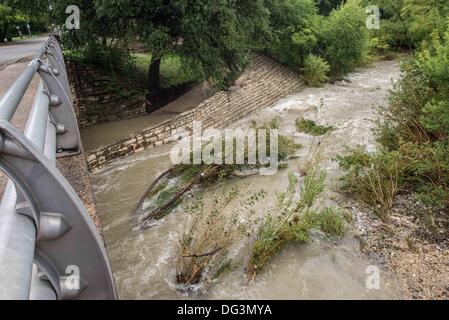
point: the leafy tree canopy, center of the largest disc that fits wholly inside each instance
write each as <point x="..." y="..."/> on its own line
<point x="345" y="37"/>
<point x="426" y="16"/>
<point x="295" y="25"/>
<point x="409" y="22"/>
<point x="9" y="17"/>
<point x="214" y="37"/>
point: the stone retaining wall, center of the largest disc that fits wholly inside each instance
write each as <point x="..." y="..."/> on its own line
<point x="262" y="84"/>
<point x="94" y="100"/>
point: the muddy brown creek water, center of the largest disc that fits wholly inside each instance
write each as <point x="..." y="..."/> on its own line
<point x="143" y="262"/>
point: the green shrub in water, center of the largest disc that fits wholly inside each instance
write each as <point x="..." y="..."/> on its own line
<point x="310" y="127"/>
<point x="315" y="71"/>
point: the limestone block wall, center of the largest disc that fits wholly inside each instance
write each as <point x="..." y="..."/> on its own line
<point x="262" y="84"/>
<point x="95" y="102"/>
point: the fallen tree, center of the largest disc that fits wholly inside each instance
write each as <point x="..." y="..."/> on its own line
<point x="167" y="191"/>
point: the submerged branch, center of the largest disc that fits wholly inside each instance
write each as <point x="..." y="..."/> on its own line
<point x="158" y="213"/>
<point x="162" y="210"/>
<point x="166" y="195"/>
<point x="211" y="253"/>
<point x="150" y="189"/>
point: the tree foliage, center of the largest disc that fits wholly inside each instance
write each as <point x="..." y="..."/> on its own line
<point x="325" y="7"/>
<point x="300" y="30"/>
<point x="409" y="22"/>
<point x="425" y="17"/>
<point x="215" y="38"/>
<point x="94" y="29"/>
<point x="295" y="25"/>
<point x="9" y="17"/>
<point x="19" y="13"/>
<point x="345" y="37"/>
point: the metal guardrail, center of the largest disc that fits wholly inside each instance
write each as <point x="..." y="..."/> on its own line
<point x="49" y="246"/>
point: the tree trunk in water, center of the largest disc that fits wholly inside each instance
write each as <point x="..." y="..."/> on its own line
<point x="153" y="74"/>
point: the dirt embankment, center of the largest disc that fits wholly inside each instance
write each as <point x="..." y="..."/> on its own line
<point x="412" y="245"/>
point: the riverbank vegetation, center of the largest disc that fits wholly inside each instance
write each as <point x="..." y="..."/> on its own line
<point x="316" y="38"/>
<point x="413" y="130"/>
<point x="315" y="71"/>
<point x="209" y="234"/>
<point x="292" y="218"/>
<point x="212" y="229"/>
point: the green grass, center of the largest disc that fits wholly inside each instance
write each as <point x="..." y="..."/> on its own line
<point x="310" y="127"/>
<point x="331" y="221"/>
<point x="172" y="72"/>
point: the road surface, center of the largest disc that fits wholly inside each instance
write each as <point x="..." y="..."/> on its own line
<point x="14" y="51"/>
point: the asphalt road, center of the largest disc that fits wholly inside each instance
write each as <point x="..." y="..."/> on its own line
<point x="14" y="51"/>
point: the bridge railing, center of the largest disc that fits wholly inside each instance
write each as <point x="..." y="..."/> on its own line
<point x="49" y="246"/>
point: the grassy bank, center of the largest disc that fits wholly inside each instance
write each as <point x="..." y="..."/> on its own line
<point x="171" y="70"/>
